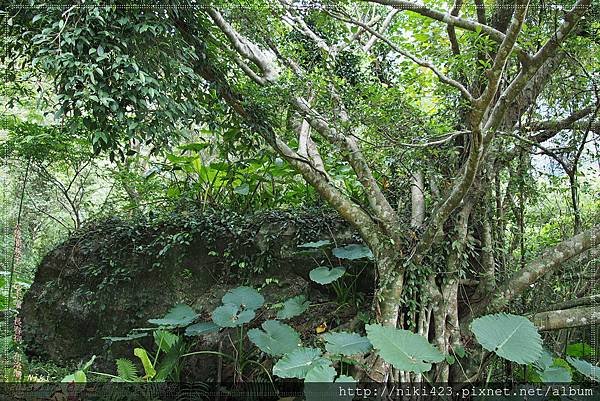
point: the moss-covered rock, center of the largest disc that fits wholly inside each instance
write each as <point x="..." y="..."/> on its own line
<point x="114" y="275"/>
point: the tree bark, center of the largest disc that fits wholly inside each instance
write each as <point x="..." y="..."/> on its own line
<point x="566" y="318"/>
<point x="547" y="263"/>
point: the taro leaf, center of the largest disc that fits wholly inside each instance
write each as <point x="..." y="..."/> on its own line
<point x="148" y="368"/>
<point x="348" y="344"/>
<point x="555" y="374"/>
<point x="77" y="377"/>
<point x="321" y="374"/>
<point x="230" y="315"/>
<point x="245" y="297"/>
<point x="345" y="379"/>
<point x="353" y="252"/>
<point x="511" y="337"/>
<point x="585" y="368"/>
<point x="293" y="307"/>
<point x="201" y="328"/>
<point x="403" y="349"/>
<point x="318" y="244"/>
<point x="243" y="189"/>
<point x="275" y="339"/>
<point x="326" y="275"/>
<point x="544" y="361"/>
<point x="316" y="387"/>
<point x="169" y="362"/>
<point x="179" y="316"/>
<point x="298" y="362"/>
<point x="128" y="337"/>
<point x="165" y="339"/>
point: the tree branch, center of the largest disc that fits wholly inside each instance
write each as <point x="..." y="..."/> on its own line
<point x="572" y="303"/>
<point x="442" y="77"/>
<point x="547" y="263"/>
<point x="261" y="58"/>
<point x="529" y="70"/>
<point x="566" y="318"/>
<point x="452" y="20"/>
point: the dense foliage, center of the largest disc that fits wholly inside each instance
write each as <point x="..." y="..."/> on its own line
<point x="460" y="142"/>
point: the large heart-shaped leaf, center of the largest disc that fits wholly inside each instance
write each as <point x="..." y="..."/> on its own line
<point x="179" y="316"/>
<point x="230" y="315"/>
<point x="511" y="337"/>
<point x="353" y="252"/>
<point x="298" y="362"/>
<point x="403" y="349"/>
<point x="585" y="368"/>
<point x="201" y="328"/>
<point x="275" y="338"/>
<point x="165" y="339"/>
<point x="348" y="344"/>
<point x="316" y="383"/>
<point x="293" y="307"/>
<point x="326" y="275"/>
<point x="555" y="374"/>
<point x="244" y="297"/>
<point x="321" y="374"/>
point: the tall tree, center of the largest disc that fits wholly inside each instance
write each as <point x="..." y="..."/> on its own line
<point x="367" y="90"/>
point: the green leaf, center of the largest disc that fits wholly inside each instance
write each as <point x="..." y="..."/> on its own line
<point x="77" y="377"/>
<point x="345" y="379"/>
<point x="511" y="337"/>
<point x="148" y="368"/>
<point x="128" y="337"/>
<point x="403" y="349"/>
<point x="585" y="368"/>
<point x="170" y="360"/>
<point x="326" y="275"/>
<point x="165" y="339"/>
<point x="555" y="374"/>
<point x="315" y="382"/>
<point x="544" y="361"/>
<point x="293" y="307"/>
<point x="318" y="244"/>
<point x="230" y="315"/>
<point x="179" y="316"/>
<point x="243" y="189"/>
<point x="88" y="364"/>
<point x="580" y="350"/>
<point x="126" y="370"/>
<point x="460" y="351"/>
<point x="298" y="362"/>
<point x="201" y="328"/>
<point x="275" y="338"/>
<point x="348" y="344"/>
<point x="353" y="252"/>
<point x="245" y="297"/>
<point x="321" y="374"/>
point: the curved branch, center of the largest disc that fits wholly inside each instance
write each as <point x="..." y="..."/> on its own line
<point x="566" y="318"/>
<point x="455" y="21"/>
<point x="547" y="263"/>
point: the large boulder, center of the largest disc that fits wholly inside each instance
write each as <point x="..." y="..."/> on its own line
<point x="114" y="275"/>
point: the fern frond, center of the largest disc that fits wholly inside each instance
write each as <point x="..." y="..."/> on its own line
<point x="126" y="370"/>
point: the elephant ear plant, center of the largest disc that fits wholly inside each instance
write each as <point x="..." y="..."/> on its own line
<point x="513" y="338"/>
